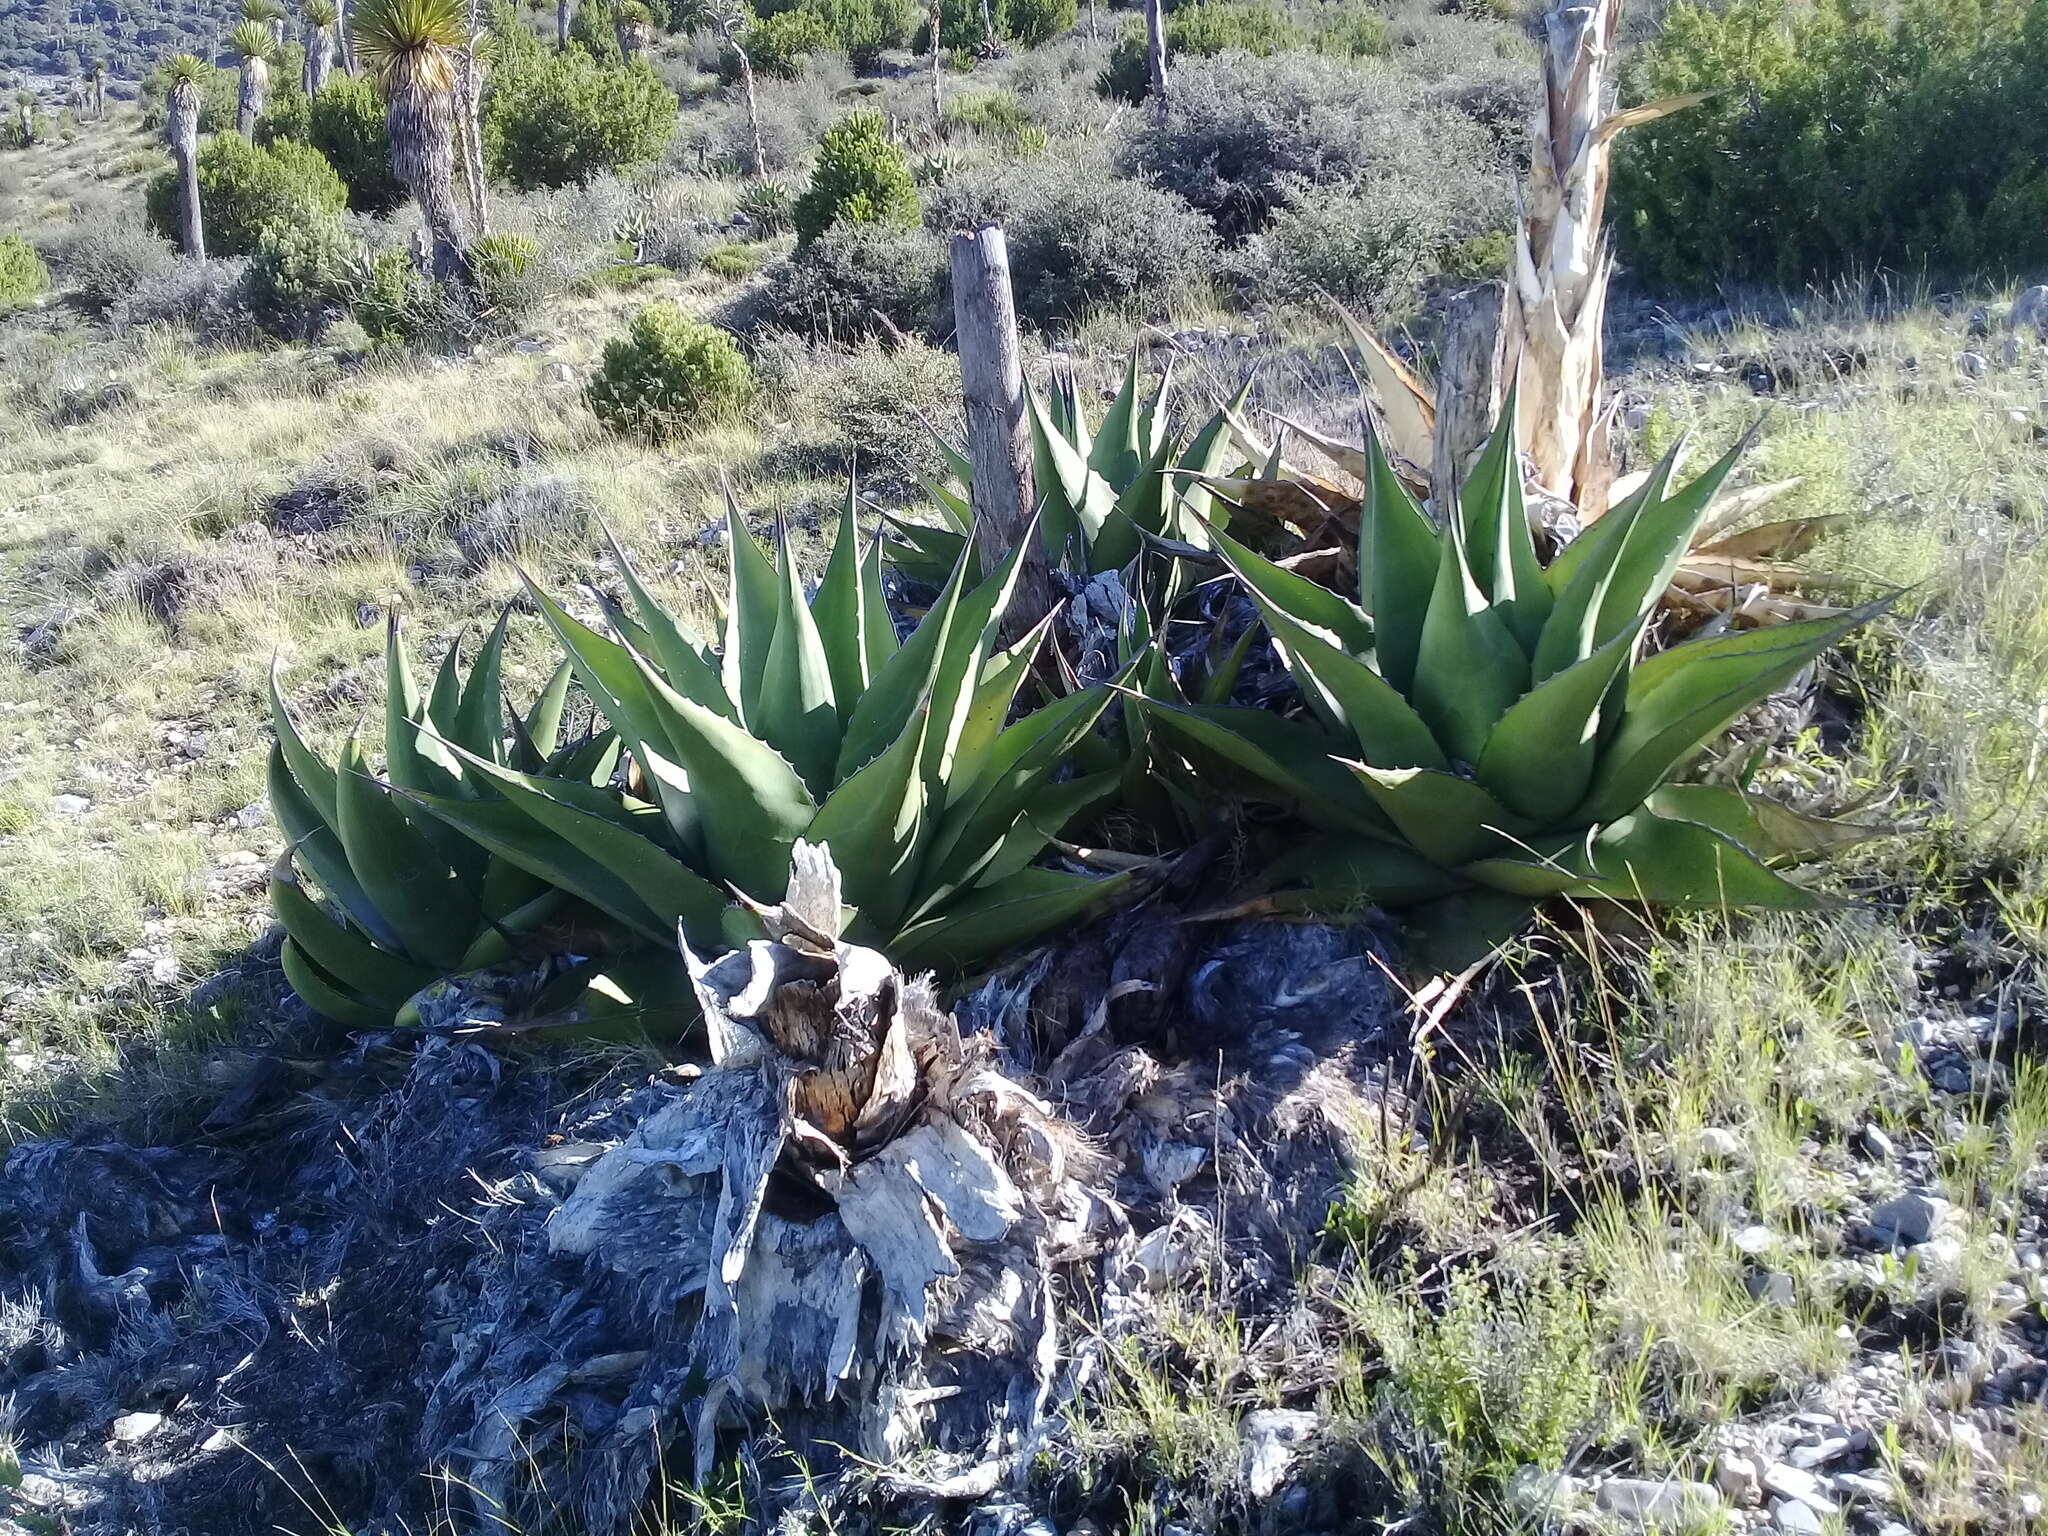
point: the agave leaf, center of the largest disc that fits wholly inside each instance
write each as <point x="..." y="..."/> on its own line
<point x="1407" y="404"/>
<point x="325" y="996"/>
<point x="313" y="774"/>
<point x="412" y="760"/>
<point x="401" y="872"/>
<point x="1397" y="566"/>
<point x="1468" y="669"/>
<point x="1342" y="872"/>
<point x="924" y="553"/>
<point x="444" y="701"/>
<point x="1551" y="866"/>
<point x="1003" y="916"/>
<point x="1053" y="808"/>
<point x="1540" y="757"/>
<point x="1656" y="543"/>
<point x="1289" y="761"/>
<point x="313" y="843"/>
<point x="750" y="802"/>
<point x="1210" y="452"/>
<point x="376" y="976"/>
<point x="1140" y="509"/>
<point x="624" y="875"/>
<point x="1447" y="819"/>
<point x="1388" y="730"/>
<point x="871" y="823"/>
<point x="1453" y="932"/>
<point x="1118" y="452"/>
<point x="1681" y="698"/>
<point x="971" y="634"/>
<point x="499" y="941"/>
<point x="903" y="682"/>
<point x="479" y="722"/>
<point x="680" y="658"/>
<point x="756" y="597"/>
<point x="995" y="692"/>
<point x="1601" y="542"/>
<point x="1508" y="570"/>
<point x="607" y="671"/>
<point x="1667" y="863"/>
<point x="1075" y="502"/>
<point x="797" y="715"/>
<point x="1221" y="682"/>
<point x="1763" y="826"/>
<point x="839" y="610"/>
<point x="539" y="734"/>
<point x="1299" y="599"/>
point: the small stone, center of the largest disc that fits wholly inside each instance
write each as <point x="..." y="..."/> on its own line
<point x="2030" y="308"/>
<point x="1861" y="1487"/>
<point x="1268" y="1442"/>
<point x="1972" y="365"/>
<point x="1807" y="1457"/>
<point x="1910" y="1218"/>
<point x="1878" y="1144"/>
<point x="131" y="1427"/>
<point x="1753" y="1240"/>
<point x="1535" y="1492"/>
<point x="558" y="376"/>
<point x="1772" y="1287"/>
<point x="70" y="805"/>
<point x="1636" y="417"/>
<point x="1649" y="1502"/>
<point x="1735" y="1476"/>
<point x="1795" y="1518"/>
<point x="1790" y="1482"/>
<point x="1718" y="1144"/>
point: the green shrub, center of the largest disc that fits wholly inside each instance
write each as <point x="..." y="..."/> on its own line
<point x="778" y="45"/>
<point x="1080" y="236"/>
<point x="669" y="373"/>
<point x="859" y="178"/>
<point x="103" y="258"/>
<point x="245" y="187"/>
<point x="1846" y="138"/>
<point x="1341" y="28"/>
<point x="1370" y="249"/>
<point x="864" y="29"/>
<point x="345" y="122"/>
<point x="1479" y="256"/>
<point x="396" y="303"/>
<point x="22" y="273"/>
<point x="960" y="31"/>
<point x="1032" y="22"/>
<point x="590" y="29"/>
<point x="842" y="285"/>
<point x="287" y="113"/>
<point x="301" y="277"/>
<point x="997" y="115"/>
<point x="732" y="260"/>
<point x="562" y="118"/>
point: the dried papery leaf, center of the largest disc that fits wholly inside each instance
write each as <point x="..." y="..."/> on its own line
<point x="1347" y="457"/>
<point x="1784" y="539"/>
<point x="1406" y="404"/>
<point x="1699" y="569"/>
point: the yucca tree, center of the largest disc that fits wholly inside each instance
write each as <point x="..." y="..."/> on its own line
<point x="633" y="24"/>
<point x="564" y="14"/>
<point x="185" y="76"/>
<point x="813" y="722"/>
<point x="25" y="118"/>
<point x="269" y="15"/>
<point x="319" y="17"/>
<point x="1486" y="728"/>
<point x="413" y="50"/>
<point x="252" y="41"/>
<point x="99" y="89"/>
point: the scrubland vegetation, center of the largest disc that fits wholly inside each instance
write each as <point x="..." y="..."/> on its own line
<point x="1654" y="1141"/>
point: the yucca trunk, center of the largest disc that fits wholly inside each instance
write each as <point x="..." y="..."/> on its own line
<point x="319" y="58"/>
<point x="26" y="114"/>
<point x="469" y="124"/>
<point x="277" y="33"/>
<point x="421" y="125"/>
<point x="562" y="25"/>
<point x="1562" y="263"/>
<point x="938" y="102"/>
<point x="344" y="37"/>
<point x="255" y="87"/>
<point x="182" y="121"/>
<point x="753" y="105"/>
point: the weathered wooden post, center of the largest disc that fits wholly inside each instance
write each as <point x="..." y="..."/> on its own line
<point x="998" y="441"/>
<point x="1470" y="383"/>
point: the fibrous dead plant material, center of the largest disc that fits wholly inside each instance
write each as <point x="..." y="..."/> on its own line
<point x="865" y="1212"/>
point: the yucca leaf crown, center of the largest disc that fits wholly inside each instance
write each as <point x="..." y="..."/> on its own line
<point x="410" y="44"/>
<point x="1486" y="720"/>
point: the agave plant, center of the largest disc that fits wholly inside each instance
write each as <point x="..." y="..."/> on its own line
<point x="1487" y="724"/>
<point x="1101" y="492"/>
<point x="408" y="902"/>
<point x="810" y="722"/>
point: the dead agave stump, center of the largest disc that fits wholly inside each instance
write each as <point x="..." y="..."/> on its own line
<point x="868" y="1213"/>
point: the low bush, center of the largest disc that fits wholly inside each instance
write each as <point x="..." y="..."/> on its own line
<point x="301" y="277"/>
<point x="859" y="178"/>
<point x="882" y="401"/>
<point x="1037" y="22"/>
<point x="1244" y="134"/>
<point x="245" y="187"/>
<point x="1341" y="28"/>
<point x="1370" y="248"/>
<point x="507" y="274"/>
<point x="667" y="374"/>
<point x="846" y="283"/>
<point x="287" y="114"/>
<point x="997" y="115"/>
<point x="22" y="273"/>
<point x="590" y="28"/>
<point x="1845" y="138"/>
<point x="396" y="303"/>
<point x="210" y="299"/>
<point x="562" y="118"/>
<point x="864" y="30"/>
<point x="1080" y="236"/>
<point x="732" y="260"/>
<point x="345" y="122"/>
<point x="105" y="258"/>
<point x="778" y="45"/>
